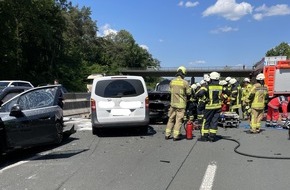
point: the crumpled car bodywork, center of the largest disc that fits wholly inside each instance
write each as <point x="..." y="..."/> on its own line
<point x="159" y="102"/>
<point x="31" y="118"/>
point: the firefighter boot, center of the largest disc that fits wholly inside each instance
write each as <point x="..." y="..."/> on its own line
<point x="203" y="138"/>
<point x="212" y="137"/>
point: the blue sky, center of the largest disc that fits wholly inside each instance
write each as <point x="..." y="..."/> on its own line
<point x="204" y="33"/>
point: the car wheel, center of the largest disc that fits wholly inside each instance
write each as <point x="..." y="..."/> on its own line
<point x="59" y="132"/>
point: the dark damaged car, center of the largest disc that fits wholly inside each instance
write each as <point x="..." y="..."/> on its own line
<point x="32" y="118"/>
<point x="159" y="102"/>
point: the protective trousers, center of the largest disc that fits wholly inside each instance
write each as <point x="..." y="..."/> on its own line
<point x="210" y="122"/>
<point x="200" y="113"/>
<point x="272" y="115"/>
<point x="256" y="118"/>
<point x="175" y="121"/>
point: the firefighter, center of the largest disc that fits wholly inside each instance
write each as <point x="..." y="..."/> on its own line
<point x="206" y="78"/>
<point x="201" y="101"/>
<point x="212" y="109"/>
<point x="225" y="105"/>
<point x="235" y="97"/>
<point x="247" y="86"/>
<point x="258" y="98"/>
<point x="228" y="79"/>
<point x="198" y="86"/>
<point x="273" y="110"/>
<point x="180" y="90"/>
<point x="227" y="90"/>
<point x="191" y="108"/>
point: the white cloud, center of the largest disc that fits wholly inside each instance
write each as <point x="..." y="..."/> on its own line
<point x="264" y="11"/>
<point x="144" y="47"/>
<point x="106" y="30"/>
<point x="188" y="4"/>
<point x="229" y="9"/>
<point x="180" y="3"/>
<point x="191" y="4"/>
<point x="197" y="62"/>
<point x="224" y="29"/>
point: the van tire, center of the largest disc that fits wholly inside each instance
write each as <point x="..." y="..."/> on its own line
<point x="95" y="131"/>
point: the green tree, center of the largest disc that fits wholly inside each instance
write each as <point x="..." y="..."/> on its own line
<point x="31" y="38"/>
<point x="48" y="39"/>
<point x="282" y="49"/>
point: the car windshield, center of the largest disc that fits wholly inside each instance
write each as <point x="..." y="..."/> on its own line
<point x="119" y="88"/>
<point x="3" y="84"/>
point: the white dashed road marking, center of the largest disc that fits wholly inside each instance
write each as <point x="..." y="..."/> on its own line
<point x="208" y="177"/>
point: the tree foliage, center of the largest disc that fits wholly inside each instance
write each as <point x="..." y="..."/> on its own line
<point x="282" y="49"/>
<point x="48" y="39"/>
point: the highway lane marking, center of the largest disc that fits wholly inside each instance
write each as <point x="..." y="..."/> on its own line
<point x="209" y="176"/>
<point x="25" y="161"/>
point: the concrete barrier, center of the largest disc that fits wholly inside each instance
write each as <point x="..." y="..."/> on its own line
<point x="76" y="104"/>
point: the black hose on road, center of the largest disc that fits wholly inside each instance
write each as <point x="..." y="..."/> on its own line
<point x="254" y="156"/>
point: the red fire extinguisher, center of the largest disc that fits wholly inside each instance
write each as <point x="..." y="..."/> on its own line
<point x="189" y="130"/>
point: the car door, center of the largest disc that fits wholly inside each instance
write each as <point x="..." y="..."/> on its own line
<point x="36" y="122"/>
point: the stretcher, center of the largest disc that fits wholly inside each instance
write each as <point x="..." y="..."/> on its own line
<point x="229" y="119"/>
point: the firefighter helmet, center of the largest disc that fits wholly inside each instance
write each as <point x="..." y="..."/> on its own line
<point x="202" y="82"/>
<point x="228" y="79"/>
<point x="223" y="82"/>
<point x="198" y="84"/>
<point x="214" y="75"/>
<point x="182" y="69"/>
<point x="260" y="76"/>
<point x="206" y="77"/>
<point x="233" y="81"/>
<point x="246" y="80"/>
<point x="193" y="86"/>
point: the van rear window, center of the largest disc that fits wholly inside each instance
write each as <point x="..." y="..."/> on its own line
<point x="117" y="88"/>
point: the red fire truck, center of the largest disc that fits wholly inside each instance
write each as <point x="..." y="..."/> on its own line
<point x="277" y="74"/>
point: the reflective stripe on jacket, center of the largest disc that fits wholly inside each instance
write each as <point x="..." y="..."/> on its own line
<point x="179" y="89"/>
<point x="258" y="96"/>
<point x="246" y="92"/>
<point x="280" y="101"/>
<point x="201" y="94"/>
<point x="214" y="96"/>
<point x="236" y="96"/>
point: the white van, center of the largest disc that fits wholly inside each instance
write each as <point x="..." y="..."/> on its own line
<point x="119" y="101"/>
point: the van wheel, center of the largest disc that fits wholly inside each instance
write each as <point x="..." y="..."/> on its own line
<point x="94" y="131"/>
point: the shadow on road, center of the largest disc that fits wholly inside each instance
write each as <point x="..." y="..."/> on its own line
<point x="124" y="132"/>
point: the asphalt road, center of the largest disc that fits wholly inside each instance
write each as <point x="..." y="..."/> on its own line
<point x="129" y="160"/>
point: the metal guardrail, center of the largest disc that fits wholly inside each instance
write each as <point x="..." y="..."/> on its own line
<point x="216" y="68"/>
<point x="234" y="71"/>
<point x="76" y="104"/>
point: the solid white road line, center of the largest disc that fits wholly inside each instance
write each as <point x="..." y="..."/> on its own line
<point x="208" y="177"/>
<point x="25" y="161"/>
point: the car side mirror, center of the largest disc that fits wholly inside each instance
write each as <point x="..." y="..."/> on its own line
<point x="16" y="111"/>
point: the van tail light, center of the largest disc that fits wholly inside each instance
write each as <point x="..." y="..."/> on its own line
<point x="147" y="102"/>
<point x="93" y="105"/>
